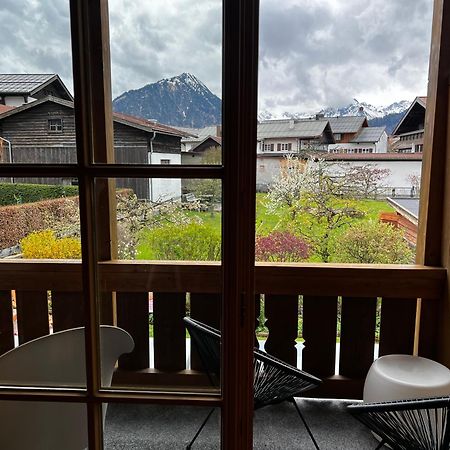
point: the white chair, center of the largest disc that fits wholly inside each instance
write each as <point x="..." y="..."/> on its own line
<point x="58" y="360"/>
<point x="403" y="377"/>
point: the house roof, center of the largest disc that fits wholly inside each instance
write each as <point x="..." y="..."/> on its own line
<point x="413" y="118"/>
<point x="369" y="134"/>
<point x="214" y="140"/>
<point x="347" y="124"/>
<point x="29" y="84"/>
<point x="423" y="100"/>
<point x="4" y="108"/>
<point x="408" y="207"/>
<point x="135" y="122"/>
<point x="305" y="128"/>
<point x="373" y="156"/>
<point x="147" y="125"/>
<point x="200" y="133"/>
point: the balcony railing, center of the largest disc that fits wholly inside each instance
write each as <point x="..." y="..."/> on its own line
<point x="356" y="288"/>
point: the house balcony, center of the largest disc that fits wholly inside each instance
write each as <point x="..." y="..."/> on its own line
<point x="357" y="306"/>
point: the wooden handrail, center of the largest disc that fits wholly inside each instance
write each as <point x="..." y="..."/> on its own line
<point x="395" y="281"/>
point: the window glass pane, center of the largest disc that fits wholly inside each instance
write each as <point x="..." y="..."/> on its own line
<point x="37" y="121"/>
<point x="40" y="218"/>
<point x="167" y="267"/>
<point x="46" y="425"/>
<point x="166" y="84"/>
<point x="152" y="426"/>
<point x="347" y="122"/>
<point x="40" y="245"/>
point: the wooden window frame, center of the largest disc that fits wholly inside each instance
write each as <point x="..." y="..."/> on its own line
<point x="94" y="129"/>
<point x="90" y="42"/>
<point x="55" y="127"/>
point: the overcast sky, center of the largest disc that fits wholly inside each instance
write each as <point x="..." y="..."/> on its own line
<point x="313" y="53"/>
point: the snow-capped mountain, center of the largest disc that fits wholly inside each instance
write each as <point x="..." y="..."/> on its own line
<point x="355" y="108"/>
<point x="180" y="101"/>
<point x="387" y="116"/>
<point x="185" y="101"/>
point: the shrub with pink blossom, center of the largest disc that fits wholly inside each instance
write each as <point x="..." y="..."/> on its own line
<point x="281" y="246"/>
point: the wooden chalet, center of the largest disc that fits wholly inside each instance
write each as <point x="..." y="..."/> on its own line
<point x="415" y="299"/>
<point x="17" y="89"/>
<point x="410" y="131"/>
<point x="43" y="132"/>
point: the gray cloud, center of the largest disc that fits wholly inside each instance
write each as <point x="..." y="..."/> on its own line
<point x="313" y="53"/>
<point x="318" y="55"/>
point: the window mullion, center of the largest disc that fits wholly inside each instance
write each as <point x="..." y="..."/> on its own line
<point x="92" y="89"/>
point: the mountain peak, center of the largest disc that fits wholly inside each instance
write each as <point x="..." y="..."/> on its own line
<point x="182" y="100"/>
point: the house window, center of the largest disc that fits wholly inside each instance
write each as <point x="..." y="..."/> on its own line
<point x="337" y="136"/>
<point x="165" y="162"/>
<point x="55" y="125"/>
<point x="279" y="146"/>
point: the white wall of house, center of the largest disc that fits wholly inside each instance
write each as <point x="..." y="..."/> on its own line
<point x="382" y="144"/>
<point x="400" y="171"/>
<point x="164" y="188"/>
<point x="275" y="141"/>
<point x="17" y="100"/>
<point x="267" y="168"/>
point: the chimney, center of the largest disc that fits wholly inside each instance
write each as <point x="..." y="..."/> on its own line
<point x="219" y="131"/>
<point x="320" y="116"/>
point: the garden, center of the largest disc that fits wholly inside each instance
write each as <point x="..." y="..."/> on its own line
<point x="308" y="215"/>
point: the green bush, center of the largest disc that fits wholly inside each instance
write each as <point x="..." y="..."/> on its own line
<point x="190" y="242"/>
<point x="17" y="193"/>
<point x="373" y="242"/>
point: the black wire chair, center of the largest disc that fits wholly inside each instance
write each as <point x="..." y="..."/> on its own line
<point x="408" y="424"/>
<point x="274" y="380"/>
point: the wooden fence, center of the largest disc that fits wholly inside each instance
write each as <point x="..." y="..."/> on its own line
<point x="179" y="286"/>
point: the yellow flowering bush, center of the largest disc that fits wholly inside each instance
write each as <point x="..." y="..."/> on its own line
<point x="45" y="244"/>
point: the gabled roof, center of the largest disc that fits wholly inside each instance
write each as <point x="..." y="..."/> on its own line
<point x="147" y="125"/>
<point x="347" y="124"/>
<point x="413" y="117"/>
<point x="30" y="105"/>
<point x="29" y="84"/>
<point x="289" y="128"/>
<point x="423" y="101"/>
<point x="214" y="140"/>
<point x="4" y="108"/>
<point x="200" y="133"/>
<point x="135" y="122"/>
<point x="369" y="134"/>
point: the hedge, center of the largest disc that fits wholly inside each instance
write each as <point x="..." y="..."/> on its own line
<point x="17" y="193"/>
<point x="19" y="221"/>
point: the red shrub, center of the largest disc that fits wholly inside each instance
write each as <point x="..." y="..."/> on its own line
<point x="281" y="246"/>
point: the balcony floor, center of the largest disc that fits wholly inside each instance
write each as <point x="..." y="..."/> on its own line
<point x="139" y="427"/>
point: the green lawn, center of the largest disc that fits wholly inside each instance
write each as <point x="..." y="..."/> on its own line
<point x="267" y="222"/>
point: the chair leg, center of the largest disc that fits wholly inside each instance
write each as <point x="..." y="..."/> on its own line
<point x="304" y="423"/>
<point x="200" y="429"/>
